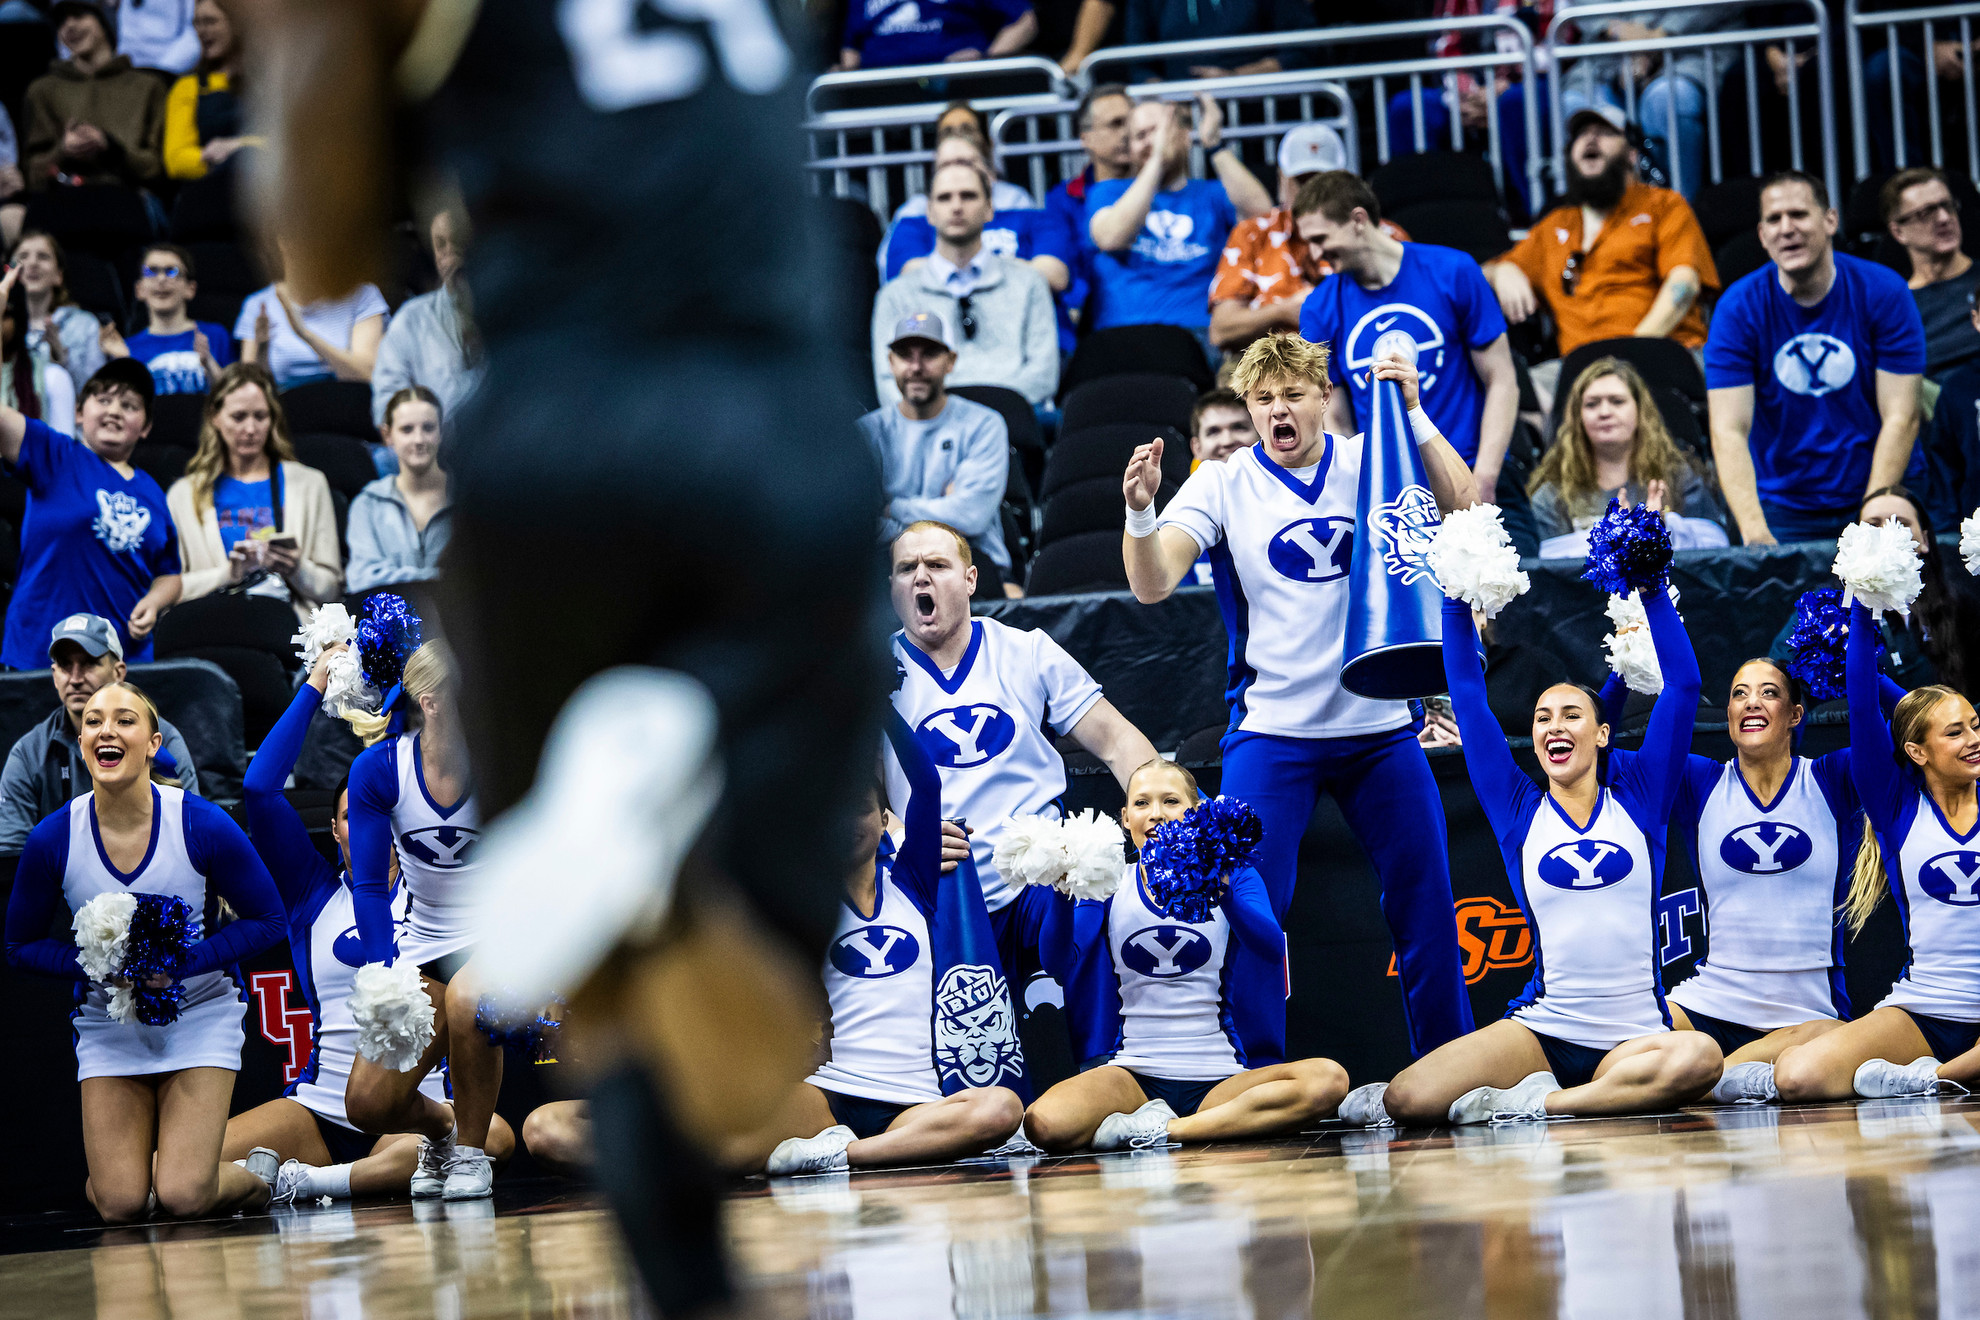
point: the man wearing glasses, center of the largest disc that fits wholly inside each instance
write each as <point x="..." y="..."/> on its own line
<point x="1923" y="215"/>
<point x="942" y="458"/>
<point x="997" y="310"/>
<point x="183" y="354"/>
<point x="1616" y="258"/>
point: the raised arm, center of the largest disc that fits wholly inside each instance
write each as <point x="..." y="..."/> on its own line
<point x="1157" y="558"/>
<point x="1488" y="759"/>
<point x="1250" y="913"/>
<point x="13" y="423"/>
<point x="1615" y="696"/>
<point x="1251" y="198"/>
<point x="1667" y="740"/>
<point x="1112" y="737"/>
<point x="273" y="824"/>
<point x="33" y="904"/>
<point x="1450" y="480"/>
<point x="918" y="864"/>
<point x="1872" y="756"/>
<point x="1113" y="227"/>
<point x="234" y="872"/>
<point x="374" y="793"/>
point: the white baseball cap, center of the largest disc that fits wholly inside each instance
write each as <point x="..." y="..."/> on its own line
<point x="1310" y="149"/>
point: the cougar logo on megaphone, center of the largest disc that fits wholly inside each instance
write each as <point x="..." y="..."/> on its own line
<point x="1407" y="524"/>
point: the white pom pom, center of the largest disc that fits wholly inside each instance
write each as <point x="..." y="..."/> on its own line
<point x="1474" y="560"/>
<point x="347" y="690"/>
<point x="1632" y="652"/>
<point x="1095" y="850"/>
<point x="1969" y="542"/>
<point x="394" y="1016"/>
<point x="123" y="1004"/>
<point x="1879" y="566"/>
<point x="102" y="928"/>
<point x="328" y="625"/>
<point x="1030" y="850"/>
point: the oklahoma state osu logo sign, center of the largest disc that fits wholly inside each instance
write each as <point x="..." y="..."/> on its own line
<point x="1492" y="935"/>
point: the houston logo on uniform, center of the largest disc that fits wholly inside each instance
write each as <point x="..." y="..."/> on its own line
<point x="963" y="736"/>
<point x="289" y="1028"/>
<point x="1765" y="848"/>
<point x="875" y="951"/>
<point x="1952" y="877"/>
<point x="1585" y="864"/>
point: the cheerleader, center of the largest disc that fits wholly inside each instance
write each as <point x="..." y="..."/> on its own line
<point x="1590" y="1034"/>
<point x="154" y="1098"/>
<point x="1158" y="986"/>
<point x="1916" y="777"/>
<point x="410" y="798"/>
<point x="322" y="1153"/>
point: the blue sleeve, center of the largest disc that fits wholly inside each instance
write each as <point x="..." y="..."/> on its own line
<point x="857" y="26"/>
<point x="1052" y="235"/>
<point x="1838" y="785"/>
<point x="167" y="561"/>
<point x="219" y="343"/>
<point x="1695" y="783"/>
<point x="1316" y="327"/>
<point x="1068" y="934"/>
<point x="918" y="864"/>
<point x="1479" y="319"/>
<point x="40" y="457"/>
<point x="277" y="830"/>
<point x="224" y="856"/>
<point x="1250" y="913"/>
<point x="1615" y="697"/>
<point x="1895" y="326"/>
<point x="1729" y="349"/>
<point x="1224" y="209"/>
<point x="1652" y="774"/>
<point x="1488" y="760"/>
<point x="909" y="237"/>
<point x="1880" y="785"/>
<point x="374" y="792"/>
<point x="37" y="894"/>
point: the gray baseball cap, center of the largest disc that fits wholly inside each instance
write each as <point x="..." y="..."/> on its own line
<point x="925" y="326"/>
<point x="92" y="632"/>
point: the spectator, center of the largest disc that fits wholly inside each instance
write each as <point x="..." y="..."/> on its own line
<point x="97" y="538"/>
<point x="1676" y="93"/>
<point x="1187" y="20"/>
<point x="58" y="331"/>
<point x="998" y="309"/>
<point x="1219" y="426"/>
<point x="1952" y="443"/>
<point x="13" y="187"/>
<point x="45" y="767"/>
<point x="433" y="342"/>
<point x="1436" y="294"/>
<point x="1812" y="370"/>
<point x="960" y="119"/>
<point x="334" y="339"/>
<point x="249" y="516"/>
<point x="29" y="385"/>
<point x="886" y="34"/>
<point x="1103" y="132"/>
<point x="1158" y="238"/>
<point x="185" y="356"/>
<point x="942" y="458"/>
<point x="1025" y="233"/>
<point x="1922" y="215"/>
<point x="92" y="118"/>
<point x="1618" y="258"/>
<point x="1949" y="67"/>
<point x="400" y="524"/>
<point x="1266" y="271"/>
<point x="204" y="115"/>
<point x="1613" y="444"/>
<point x="160" y="34"/>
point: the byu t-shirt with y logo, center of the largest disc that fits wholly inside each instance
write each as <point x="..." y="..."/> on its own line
<point x="1813" y="371"/>
<point x="1163" y="277"/>
<point x="985" y="725"/>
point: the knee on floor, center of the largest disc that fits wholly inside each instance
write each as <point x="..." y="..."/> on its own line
<point x="1799" y="1076"/>
<point x="1692" y="1063"/>
<point x="1410" y="1102"/>
<point x="1323" y="1083"/>
<point x="128" y="1206"/>
<point x="186" y="1198"/>
<point x="995" y="1113"/>
<point x="1047" y="1131"/>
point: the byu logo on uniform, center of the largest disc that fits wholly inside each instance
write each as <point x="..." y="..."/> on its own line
<point x="975" y="1031"/>
<point x="875" y="951"/>
<point x="1412" y="321"/>
<point x="1765" y="848"/>
<point x="963" y="736"/>
<point x="1165" y="951"/>
<point x="1952" y="877"/>
<point x="1585" y="864"/>
<point x="1313" y="549"/>
<point x="1407" y="525"/>
<point x="1814" y="364"/>
<point x="348" y="948"/>
<point x="446" y="847"/>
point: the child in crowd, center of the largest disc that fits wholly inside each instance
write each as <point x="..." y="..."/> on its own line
<point x="184" y="355"/>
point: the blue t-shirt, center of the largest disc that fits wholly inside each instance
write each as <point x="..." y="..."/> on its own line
<point x="242" y="508"/>
<point x="1163" y="277"/>
<point x="1814" y="376"/>
<point x="1440" y="296"/>
<point x="173" y="360"/>
<point x="1019" y="235"/>
<point x="890" y="33"/>
<point x="92" y="541"/>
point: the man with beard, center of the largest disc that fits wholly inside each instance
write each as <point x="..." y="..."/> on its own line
<point x="1617" y="257"/>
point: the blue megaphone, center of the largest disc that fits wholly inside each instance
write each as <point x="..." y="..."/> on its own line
<point x="1394" y="644"/>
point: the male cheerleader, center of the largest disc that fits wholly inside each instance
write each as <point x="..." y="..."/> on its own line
<point x="980" y="697"/>
<point x="1279" y="523"/>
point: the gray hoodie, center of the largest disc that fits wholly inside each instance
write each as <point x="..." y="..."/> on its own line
<point x="385" y="546"/>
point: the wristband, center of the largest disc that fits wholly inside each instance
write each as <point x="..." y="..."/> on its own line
<point x="1141" y="522"/>
<point x="1425" y="429"/>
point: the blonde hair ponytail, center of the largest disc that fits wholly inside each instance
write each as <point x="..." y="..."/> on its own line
<point x="1868" y="881"/>
<point x="427" y="670"/>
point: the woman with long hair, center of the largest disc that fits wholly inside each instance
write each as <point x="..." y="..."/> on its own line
<point x="249" y="516"/>
<point x="59" y="332"/>
<point x="28" y="385"/>
<point x="154" y="1097"/>
<point x="1613" y="442"/>
<point x="1916" y="776"/>
<point x="400" y="524"/>
<point x="204" y="114"/>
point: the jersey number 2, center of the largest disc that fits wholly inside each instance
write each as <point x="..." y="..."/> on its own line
<point x="621" y="62"/>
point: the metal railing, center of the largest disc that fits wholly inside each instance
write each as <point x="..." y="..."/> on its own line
<point x="1719" y="51"/>
<point x="998" y="70"/>
<point x="1933" y="25"/>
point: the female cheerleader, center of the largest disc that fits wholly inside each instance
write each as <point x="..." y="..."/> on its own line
<point x="322" y="1153"/>
<point x="1919" y="842"/>
<point x="154" y="1099"/>
<point x="1590" y="1033"/>
<point x="409" y="796"/>
<point x="1136" y="974"/>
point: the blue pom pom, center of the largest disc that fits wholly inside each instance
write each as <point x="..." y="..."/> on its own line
<point x="1189" y="861"/>
<point x="1629" y="550"/>
<point x="161" y="936"/>
<point x="534" y="1039"/>
<point x="387" y="636"/>
<point x="1815" y="646"/>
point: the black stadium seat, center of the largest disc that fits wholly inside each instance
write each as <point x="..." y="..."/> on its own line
<point x="247" y="636"/>
<point x="1020" y="421"/>
<point x="165" y="463"/>
<point x="204" y="211"/>
<point x="338" y="407"/>
<point x="1103" y="451"/>
<point x="105" y="220"/>
<point x="176" y="419"/>
<point x="1738" y="258"/>
<point x="1091" y="506"/>
<point x="227" y="274"/>
<point x="1432" y="176"/>
<point x="1168" y="350"/>
<point x="344" y="461"/>
<point x="1728" y="209"/>
<point x="1475" y="227"/>
<point x="1137" y="397"/>
<point x="94" y="285"/>
<point x="1089" y="562"/>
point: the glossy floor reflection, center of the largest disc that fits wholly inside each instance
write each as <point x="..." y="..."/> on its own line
<point x="1868" y="1210"/>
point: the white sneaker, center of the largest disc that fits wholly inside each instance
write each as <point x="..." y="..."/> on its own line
<point x="263" y="1163"/>
<point x="1880" y="1079"/>
<point x="1146" y="1127"/>
<point x="1746" y="1084"/>
<point x="590" y="856"/>
<point x="470" y="1175"/>
<point x="1526" y="1102"/>
<point x="824" y="1153"/>
<point x="1019" y="1144"/>
<point x="429" y="1179"/>
<point x="1363" y="1106"/>
<point x="289" y="1180"/>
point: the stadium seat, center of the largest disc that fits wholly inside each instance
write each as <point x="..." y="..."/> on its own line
<point x="104" y="220"/>
<point x="1091" y="506"/>
<point x="165" y="463"/>
<point x="227" y="274"/>
<point x="93" y="283"/>
<point x="1089" y="562"/>
<point x="1739" y="258"/>
<point x="250" y="637"/>
<point x="176" y="419"/>
<point x="1123" y="350"/>
<point x="1204" y="747"/>
<point x="1432" y="176"/>
<point x="1019" y="515"/>
<point x="1663" y="363"/>
<point x="204" y="211"/>
<point x="1470" y="225"/>
<point x="344" y="461"/>
<point x="335" y="407"/>
<point x="1137" y="397"/>
<point x="1020" y="421"/>
<point x="1103" y="452"/>
<point x="200" y="700"/>
<point x="1727" y="209"/>
<point x="327" y="752"/>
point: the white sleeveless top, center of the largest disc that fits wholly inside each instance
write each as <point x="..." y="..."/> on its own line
<point x="1174" y="1023"/>
<point x="880" y="980"/>
<point x="1938" y="889"/>
<point x="437" y="866"/>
